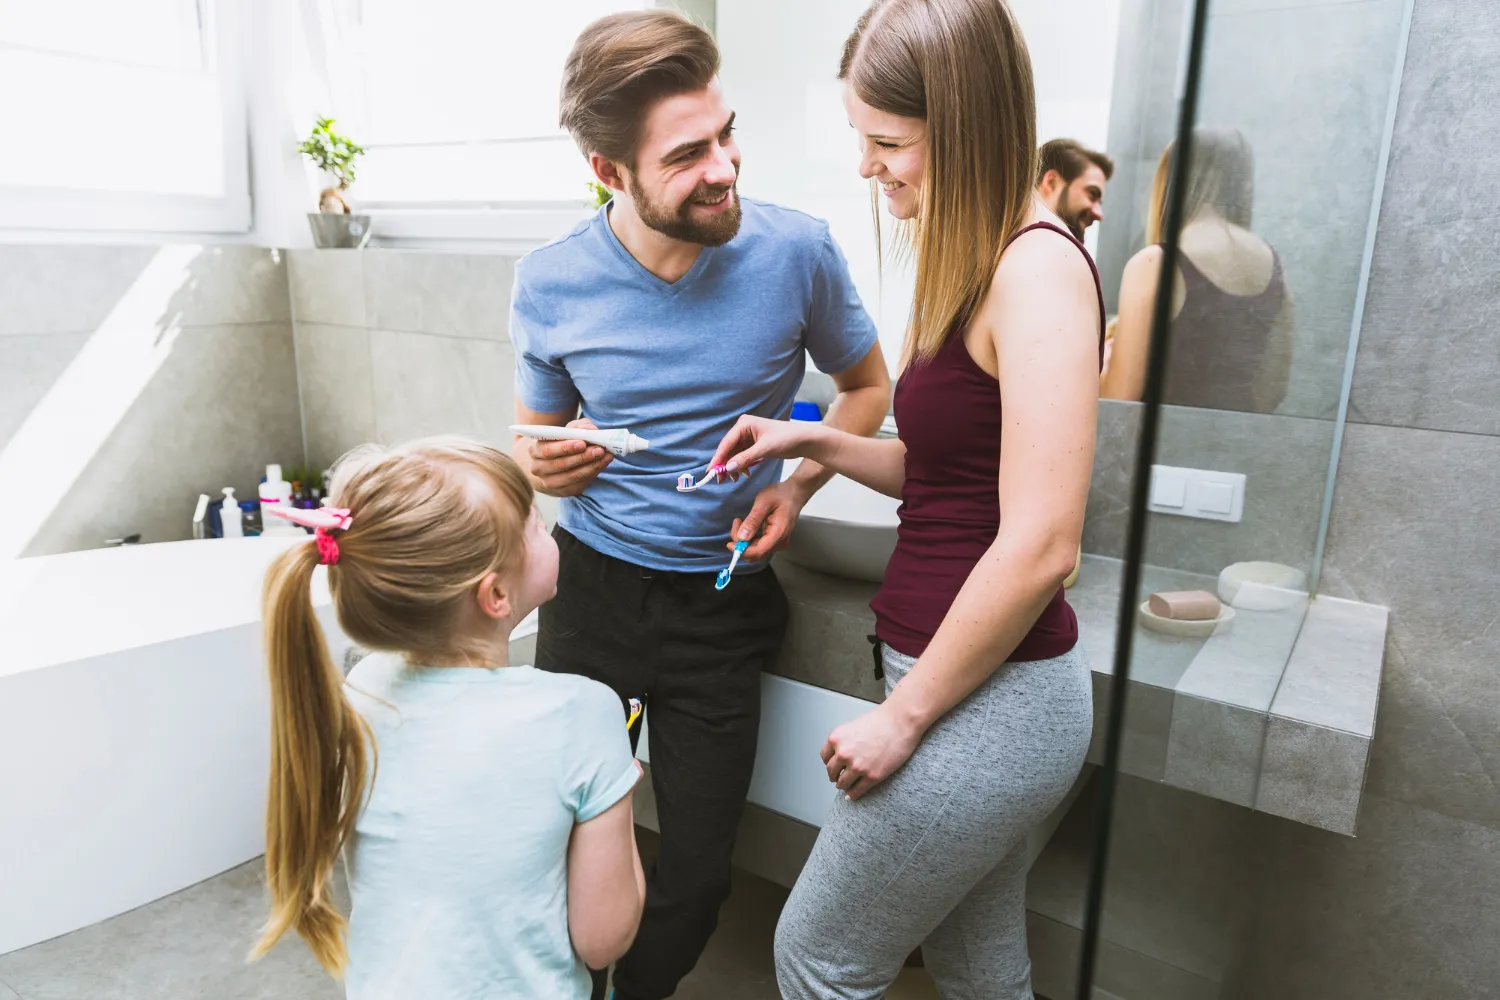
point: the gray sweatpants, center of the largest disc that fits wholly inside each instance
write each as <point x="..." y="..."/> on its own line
<point x="935" y="855"/>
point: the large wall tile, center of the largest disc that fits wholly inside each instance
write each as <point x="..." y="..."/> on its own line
<point x="231" y="284"/>
<point x="1107" y="519"/>
<point x="1415" y="528"/>
<point x="222" y="405"/>
<point x="328" y="286"/>
<point x="338" y="394"/>
<point x="1406" y="909"/>
<point x="1447" y="140"/>
<point x="425" y="385"/>
<point x="461" y="295"/>
<point x="1182" y="874"/>
<point x="28" y="367"/>
<point x="1429" y="355"/>
<point x="1285" y="460"/>
<point x="65" y="289"/>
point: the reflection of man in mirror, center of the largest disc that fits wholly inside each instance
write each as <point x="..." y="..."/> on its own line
<point x="1071" y="179"/>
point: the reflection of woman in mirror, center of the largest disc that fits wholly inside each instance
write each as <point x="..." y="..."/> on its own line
<point x="1231" y="344"/>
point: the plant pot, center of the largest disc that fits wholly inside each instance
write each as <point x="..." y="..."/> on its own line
<point x="335" y="230"/>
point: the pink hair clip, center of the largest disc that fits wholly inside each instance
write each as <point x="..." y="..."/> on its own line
<point x="322" y="520"/>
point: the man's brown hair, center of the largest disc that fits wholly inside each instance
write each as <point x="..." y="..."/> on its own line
<point x="1070" y="158"/>
<point x="620" y="66"/>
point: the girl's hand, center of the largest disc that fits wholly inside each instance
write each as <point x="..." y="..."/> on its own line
<point x="756" y="439"/>
<point x="863" y="753"/>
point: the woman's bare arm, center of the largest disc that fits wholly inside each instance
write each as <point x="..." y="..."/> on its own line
<point x="1126" y="376"/>
<point x="1044" y="315"/>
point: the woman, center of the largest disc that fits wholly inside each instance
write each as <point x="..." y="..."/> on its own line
<point x="1231" y="346"/>
<point x="988" y="710"/>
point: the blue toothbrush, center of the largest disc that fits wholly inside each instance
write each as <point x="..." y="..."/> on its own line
<point x="728" y="571"/>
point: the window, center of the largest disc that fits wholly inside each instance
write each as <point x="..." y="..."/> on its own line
<point x="121" y="116"/>
<point x="456" y="103"/>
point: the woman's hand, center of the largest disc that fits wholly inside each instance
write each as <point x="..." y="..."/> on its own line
<point x="755" y="439"/>
<point x="863" y="753"/>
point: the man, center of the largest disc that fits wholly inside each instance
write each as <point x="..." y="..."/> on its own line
<point x="676" y="308"/>
<point x="1071" y="179"/>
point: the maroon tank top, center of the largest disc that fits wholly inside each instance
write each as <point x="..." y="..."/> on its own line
<point x="948" y="416"/>
<point x="1221" y="341"/>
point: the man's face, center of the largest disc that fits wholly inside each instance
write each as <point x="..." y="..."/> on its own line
<point x="1080" y="204"/>
<point x="686" y="167"/>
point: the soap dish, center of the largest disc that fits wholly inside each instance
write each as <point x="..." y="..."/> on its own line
<point x="1186" y="629"/>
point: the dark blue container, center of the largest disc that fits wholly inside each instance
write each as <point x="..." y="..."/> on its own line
<point x="804" y="410"/>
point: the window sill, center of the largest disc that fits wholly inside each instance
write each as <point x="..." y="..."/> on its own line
<point x="496" y="230"/>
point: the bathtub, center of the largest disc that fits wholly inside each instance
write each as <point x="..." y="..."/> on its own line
<point x="134" y="736"/>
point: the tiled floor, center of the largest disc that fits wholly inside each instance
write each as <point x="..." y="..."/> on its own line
<point x="192" y="946"/>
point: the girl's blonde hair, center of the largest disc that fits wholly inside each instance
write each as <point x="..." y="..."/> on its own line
<point x="962" y="67"/>
<point x="430" y="520"/>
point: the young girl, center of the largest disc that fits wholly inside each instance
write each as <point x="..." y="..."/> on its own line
<point x="492" y="853"/>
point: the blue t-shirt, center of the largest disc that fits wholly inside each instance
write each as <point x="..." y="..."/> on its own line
<point x="677" y="364"/>
<point x="458" y="864"/>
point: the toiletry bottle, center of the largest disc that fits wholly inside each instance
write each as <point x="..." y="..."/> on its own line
<point x="273" y="491"/>
<point x="200" y="517"/>
<point x="250" y="517"/>
<point x="229" y="515"/>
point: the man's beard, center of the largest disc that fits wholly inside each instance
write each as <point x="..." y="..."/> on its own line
<point x="1076" y="221"/>
<point x="679" y="224"/>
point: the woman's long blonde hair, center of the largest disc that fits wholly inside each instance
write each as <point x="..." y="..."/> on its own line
<point x="429" y="521"/>
<point x="962" y="67"/>
<point x="1221" y="177"/>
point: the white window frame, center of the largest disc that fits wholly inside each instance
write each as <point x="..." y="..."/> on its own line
<point x="503" y="226"/>
<point x="42" y="213"/>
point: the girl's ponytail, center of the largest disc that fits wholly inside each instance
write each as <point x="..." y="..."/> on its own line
<point x="319" y="759"/>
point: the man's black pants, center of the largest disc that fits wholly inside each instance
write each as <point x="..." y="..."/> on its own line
<point x="694" y="656"/>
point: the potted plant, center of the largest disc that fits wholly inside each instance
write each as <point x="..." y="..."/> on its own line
<point x="335" y="223"/>
<point x="599" y="195"/>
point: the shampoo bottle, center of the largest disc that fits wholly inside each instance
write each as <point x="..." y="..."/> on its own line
<point x="274" y="491"/>
<point x="229" y="515"/>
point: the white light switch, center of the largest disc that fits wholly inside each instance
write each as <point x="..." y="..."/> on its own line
<point x="1167" y="489"/>
<point x="1217" y="496"/>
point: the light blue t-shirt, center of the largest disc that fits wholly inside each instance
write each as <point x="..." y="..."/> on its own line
<point x="677" y="364"/>
<point x="458" y="865"/>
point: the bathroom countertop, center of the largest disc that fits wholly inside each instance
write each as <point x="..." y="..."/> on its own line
<point x="69" y="607"/>
<point x="1275" y="712"/>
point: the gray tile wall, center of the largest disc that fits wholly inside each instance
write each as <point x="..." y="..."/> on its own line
<point x="1407" y="907"/>
<point x="1284" y="460"/>
<point x="395" y="344"/>
<point x="221" y="403"/>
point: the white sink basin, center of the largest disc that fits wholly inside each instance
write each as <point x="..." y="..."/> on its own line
<point x="846" y="530"/>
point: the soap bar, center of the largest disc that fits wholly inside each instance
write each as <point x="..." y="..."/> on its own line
<point x="1185" y="605"/>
